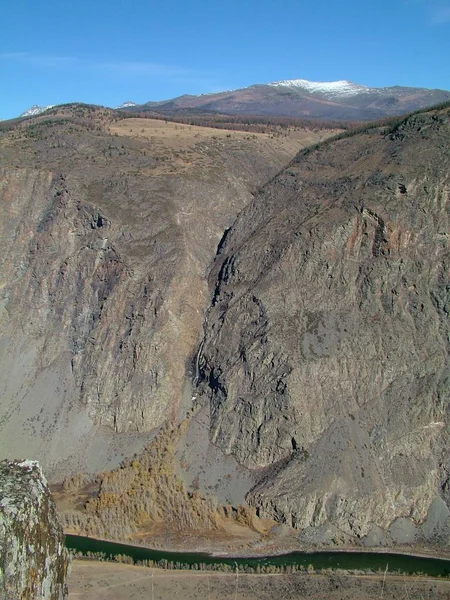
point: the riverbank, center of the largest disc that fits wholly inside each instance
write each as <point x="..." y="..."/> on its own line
<point x="92" y="580"/>
<point x="282" y="549"/>
<point x="294" y="561"/>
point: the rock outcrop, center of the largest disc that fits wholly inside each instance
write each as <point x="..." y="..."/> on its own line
<point x="33" y="558"/>
<point x="326" y="345"/>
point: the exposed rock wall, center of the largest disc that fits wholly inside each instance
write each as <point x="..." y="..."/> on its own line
<point x="84" y="300"/>
<point x="105" y="242"/>
<point x="33" y="558"/>
<point x="326" y="348"/>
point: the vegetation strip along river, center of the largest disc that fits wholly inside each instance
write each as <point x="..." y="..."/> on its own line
<point x="355" y="561"/>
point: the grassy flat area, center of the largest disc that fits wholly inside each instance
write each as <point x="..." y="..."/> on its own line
<point x="187" y="146"/>
<point x="92" y="580"/>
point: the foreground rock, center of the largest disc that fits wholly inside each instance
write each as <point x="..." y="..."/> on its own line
<point x="33" y="559"/>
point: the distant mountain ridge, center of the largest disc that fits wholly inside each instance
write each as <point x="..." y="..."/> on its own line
<point x="329" y="100"/>
<point x="333" y="100"/>
<point x="37" y="110"/>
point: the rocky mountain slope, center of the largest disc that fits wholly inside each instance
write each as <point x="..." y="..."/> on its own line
<point x="325" y="355"/>
<point x="108" y="227"/>
<point x="33" y="559"/>
<point x="301" y="324"/>
<point x="335" y="100"/>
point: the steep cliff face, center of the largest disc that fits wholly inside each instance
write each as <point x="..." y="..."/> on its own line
<point x="84" y="298"/>
<point x="33" y="559"/>
<point x="326" y="345"/>
<point x="105" y="241"/>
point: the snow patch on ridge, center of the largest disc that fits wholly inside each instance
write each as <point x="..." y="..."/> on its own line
<point x="127" y="104"/>
<point x="327" y="88"/>
<point x="214" y="93"/>
<point x="35" y="110"/>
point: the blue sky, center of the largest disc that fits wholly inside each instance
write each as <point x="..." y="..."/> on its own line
<point x="106" y="52"/>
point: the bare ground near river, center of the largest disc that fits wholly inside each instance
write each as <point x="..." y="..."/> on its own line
<point x="92" y="580"/>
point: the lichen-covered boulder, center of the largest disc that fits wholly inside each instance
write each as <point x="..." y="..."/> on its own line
<point x="33" y="559"/>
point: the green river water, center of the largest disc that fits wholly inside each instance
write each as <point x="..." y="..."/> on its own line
<point x="367" y="561"/>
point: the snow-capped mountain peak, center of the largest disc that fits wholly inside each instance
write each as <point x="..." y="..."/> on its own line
<point x="326" y="88"/>
<point x="36" y="110"/>
<point x="127" y="104"/>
